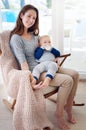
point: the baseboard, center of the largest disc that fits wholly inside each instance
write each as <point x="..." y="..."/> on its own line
<point x="82" y="76"/>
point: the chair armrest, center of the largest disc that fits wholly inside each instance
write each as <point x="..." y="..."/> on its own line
<point x="64" y="58"/>
<point x="65" y="55"/>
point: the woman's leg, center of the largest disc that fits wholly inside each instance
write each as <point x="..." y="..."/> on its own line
<point x="64" y="91"/>
<point x="75" y="76"/>
<point x="68" y="106"/>
<point x="65" y="82"/>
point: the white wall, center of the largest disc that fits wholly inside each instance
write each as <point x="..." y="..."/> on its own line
<point x="58" y="23"/>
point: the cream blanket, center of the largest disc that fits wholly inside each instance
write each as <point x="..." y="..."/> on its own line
<point x="30" y="109"/>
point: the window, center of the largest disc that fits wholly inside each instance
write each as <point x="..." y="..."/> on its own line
<point x="75" y="34"/>
<point x="9" y="12"/>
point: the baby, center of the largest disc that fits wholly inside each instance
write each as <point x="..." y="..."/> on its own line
<point x="46" y="56"/>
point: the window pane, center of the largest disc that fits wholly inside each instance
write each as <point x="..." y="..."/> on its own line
<point x="75" y="34"/>
<point x="9" y="13"/>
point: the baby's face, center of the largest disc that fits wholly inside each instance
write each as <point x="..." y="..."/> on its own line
<point x="45" y="41"/>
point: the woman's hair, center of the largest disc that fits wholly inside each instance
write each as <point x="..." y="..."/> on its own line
<point x="19" y="28"/>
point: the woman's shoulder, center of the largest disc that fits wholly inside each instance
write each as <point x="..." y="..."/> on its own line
<point x="16" y="40"/>
<point x="16" y="36"/>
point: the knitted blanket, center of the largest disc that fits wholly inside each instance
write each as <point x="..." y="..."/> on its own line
<point x="30" y="110"/>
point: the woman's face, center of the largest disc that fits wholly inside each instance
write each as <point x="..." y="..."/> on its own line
<point x="28" y="19"/>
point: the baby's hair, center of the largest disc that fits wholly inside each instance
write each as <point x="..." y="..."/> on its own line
<point x="43" y="36"/>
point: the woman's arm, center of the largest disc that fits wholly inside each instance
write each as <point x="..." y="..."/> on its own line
<point x="16" y="45"/>
<point x="24" y="66"/>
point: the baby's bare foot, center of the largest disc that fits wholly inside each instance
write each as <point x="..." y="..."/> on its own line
<point x="46" y="82"/>
<point x="37" y="86"/>
<point x="71" y="119"/>
<point x="62" y="124"/>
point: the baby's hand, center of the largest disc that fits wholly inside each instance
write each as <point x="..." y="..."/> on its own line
<point x="43" y="47"/>
<point x="56" y="60"/>
<point x="48" y="47"/>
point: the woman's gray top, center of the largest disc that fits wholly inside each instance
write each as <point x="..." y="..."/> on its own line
<point x="24" y="49"/>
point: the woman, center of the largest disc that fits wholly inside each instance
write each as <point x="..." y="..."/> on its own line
<point x="24" y="40"/>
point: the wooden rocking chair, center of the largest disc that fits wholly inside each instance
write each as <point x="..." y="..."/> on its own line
<point x="47" y="93"/>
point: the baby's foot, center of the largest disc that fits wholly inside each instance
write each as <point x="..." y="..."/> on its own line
<point x="46" y="82"/>
<point x="62" y="124"/>
<point x="37" y="86"/>
<point x="71" y="119"/>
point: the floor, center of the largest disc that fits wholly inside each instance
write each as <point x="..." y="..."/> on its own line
<point x="79" y="112"/>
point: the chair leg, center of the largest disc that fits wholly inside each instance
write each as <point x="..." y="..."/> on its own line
<point x="9" y="105"/>
<point x="74" y="103"/>
<point x="78" y="104"/>
<point x="52" y="99"/>
<point x="14" y="102"/>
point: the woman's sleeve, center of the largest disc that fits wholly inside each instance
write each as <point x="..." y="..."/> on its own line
<point x="16" y="45"/>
